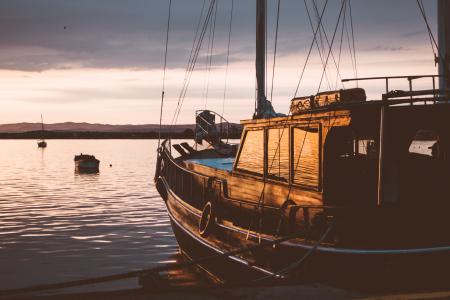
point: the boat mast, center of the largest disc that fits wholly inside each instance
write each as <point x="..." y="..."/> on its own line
<point x="42" y="125"/>
<point x="260" y="56"/>
<point x="444" y="46"/>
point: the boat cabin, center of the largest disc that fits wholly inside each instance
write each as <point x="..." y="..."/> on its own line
<point x="367" y="164"/>
<point x="334" y="152"/>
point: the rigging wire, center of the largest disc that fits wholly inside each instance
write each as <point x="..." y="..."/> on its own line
<point x="430" y="32"/>
<point x="332" y="42"/>
<point x="310" y="49"/>
<point x="228" y="56"/>
<point x="353" y="40"/>
<point x="322" y="47"/>
<point x="275" y="49"/>
<point x="328" y="42"/>
<point x="206" y="73"/>
<point x="211" y="41"/>
<point x="319" y="49"/>
<point x="191" y="55"/>
<point x="350" y="49"/>
<point x="192" y="65"/>
<point x="164" y="74"/>
<point x="340" y="44"/>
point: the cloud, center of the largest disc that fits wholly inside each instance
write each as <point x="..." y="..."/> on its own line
<point x="388" y="48"/>
<point x="64" y="34"/>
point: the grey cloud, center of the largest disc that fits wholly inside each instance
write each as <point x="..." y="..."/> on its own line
<point x="130" y="34"/>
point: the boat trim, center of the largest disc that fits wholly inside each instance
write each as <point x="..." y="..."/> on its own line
<point x="237" y="259"/>
<point x="334" y="250"/>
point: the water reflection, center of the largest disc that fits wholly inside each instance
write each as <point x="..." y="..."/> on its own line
<point x="69" y="225"/>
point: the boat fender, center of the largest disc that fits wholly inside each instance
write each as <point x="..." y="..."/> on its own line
<point x="207" y="219"/>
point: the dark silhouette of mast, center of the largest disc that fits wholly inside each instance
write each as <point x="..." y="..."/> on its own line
<point x="444" y="45"/>
<point x="42" y="127"/>
<point x="260" y="56"/>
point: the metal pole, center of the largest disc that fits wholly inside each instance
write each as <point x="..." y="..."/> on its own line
<point x="444" y="45"/>
<point x="260" y="55"/>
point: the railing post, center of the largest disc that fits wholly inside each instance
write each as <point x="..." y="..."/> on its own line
<point x="381" y="153"/>
<point x="410" y="79"/>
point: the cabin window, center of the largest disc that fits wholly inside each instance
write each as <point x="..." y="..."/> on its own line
<point x="278" y="154"/>
<point x="305" y="155"/>
<point x="366" y="147"/>
<point x="425" y="143"/>
<point x="251" y="158"/>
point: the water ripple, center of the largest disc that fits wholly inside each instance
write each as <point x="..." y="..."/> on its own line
<point x="71" y="226"/>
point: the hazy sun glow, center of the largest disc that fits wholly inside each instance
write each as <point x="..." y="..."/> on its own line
<point x="133" y="96"/>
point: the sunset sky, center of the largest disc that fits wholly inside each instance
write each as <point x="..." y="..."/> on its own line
<point x="100" y="61"/>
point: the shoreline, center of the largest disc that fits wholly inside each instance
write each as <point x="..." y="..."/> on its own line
<point x="52" y="135"/>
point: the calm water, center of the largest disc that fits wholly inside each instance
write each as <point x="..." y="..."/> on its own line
<point x="56" y="225"/>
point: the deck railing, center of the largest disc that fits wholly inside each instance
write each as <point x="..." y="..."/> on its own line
<point x="197" y="189"/>
<point x="183" y="182"/>
<point x="220" y="125"/>
<point x="435" y="94"/>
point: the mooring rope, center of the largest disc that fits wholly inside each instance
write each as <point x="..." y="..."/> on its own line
<point x="164" y="74"/>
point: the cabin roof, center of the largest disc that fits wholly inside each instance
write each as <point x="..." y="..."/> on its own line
<point x="351" y="109"/>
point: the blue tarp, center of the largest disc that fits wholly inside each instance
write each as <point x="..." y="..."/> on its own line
<point x="218" y="163"/>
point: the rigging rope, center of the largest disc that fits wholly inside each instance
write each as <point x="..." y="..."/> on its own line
<point x="310" y="49"/>
<point x="164" y="75"/>
<point x="228" y="56"/>
<point x="328" y="42"/>
<point x="353" y="39"/>
<point x="340" y="44"/>
<point x="193" y="62"/>
<point x="211" y="42"/>
<point x="319" y="49"/>
<point x="191" y="56"/>
<point x="332" y="42"/>
<point x="430" y="32"/>
<point x="350" y="49"/>
<point x="275" y="50"/>
<point x="322" y="47"/>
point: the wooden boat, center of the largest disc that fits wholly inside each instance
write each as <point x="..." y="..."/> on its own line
<point x="42" y="143"/>
<point x="338" y="174"/>
<point x="86" y="163"/>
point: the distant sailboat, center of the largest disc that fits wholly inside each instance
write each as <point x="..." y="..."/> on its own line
<point x="42" y="143"/>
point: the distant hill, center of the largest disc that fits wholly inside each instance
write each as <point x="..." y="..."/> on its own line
<point x="89" y="127"/>
<point x="71" y="130"/>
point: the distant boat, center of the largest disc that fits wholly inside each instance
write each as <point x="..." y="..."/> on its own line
<point x="86" y="163"/>
<point x="42" y="143"/>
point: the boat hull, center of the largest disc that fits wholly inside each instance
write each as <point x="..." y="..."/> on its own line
<point x="87" y="165"/>
<point x="359" y="267"/>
